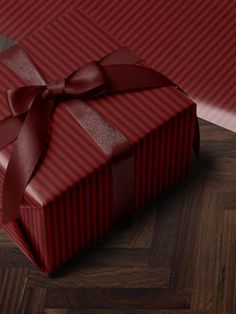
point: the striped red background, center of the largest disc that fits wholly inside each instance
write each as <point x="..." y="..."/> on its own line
<point x="19" y="18"/>
<point x="73" y="183"/>
<point x="191" y="41"/>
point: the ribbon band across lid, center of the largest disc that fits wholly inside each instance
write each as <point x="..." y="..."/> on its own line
<point x="31" y="108"/>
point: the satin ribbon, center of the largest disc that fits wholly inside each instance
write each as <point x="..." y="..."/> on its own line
<point x="32" y="107"/>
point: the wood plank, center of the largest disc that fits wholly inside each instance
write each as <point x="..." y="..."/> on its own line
<point x="103" y="277"/>
<point x="114" y="298"/>
<point x="12" y="288"/>
<point x="182" y="275"/>
<point x="166" y="232"/>
<point x="13" y="257"/>
<point x="226" y="288"/>
<point x="207" y="262"/>
<point x="104" y="311"/>
<point x="101" y="256"/>
<point x="33" y="301"/>
<point x="5" y="242"/>
<point x="143" y="228"/>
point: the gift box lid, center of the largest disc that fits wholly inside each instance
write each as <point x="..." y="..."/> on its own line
<point x="71" y="154"/>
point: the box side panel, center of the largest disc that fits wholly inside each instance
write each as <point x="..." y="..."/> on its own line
<point x="28" y="232"/>
<point x="29" y="239"/>
<point x="164" y="156"/>
<point x="82" y="214"/>
<point x="32" y="222"/>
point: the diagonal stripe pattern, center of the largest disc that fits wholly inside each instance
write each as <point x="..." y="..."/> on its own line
<point x="189" y="41"/>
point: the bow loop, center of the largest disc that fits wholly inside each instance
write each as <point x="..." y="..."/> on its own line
<point x="89" y="78"/>
<point x="21" y="99"/>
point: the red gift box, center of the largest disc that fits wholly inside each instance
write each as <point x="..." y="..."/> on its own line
<point x="70" y="199"/>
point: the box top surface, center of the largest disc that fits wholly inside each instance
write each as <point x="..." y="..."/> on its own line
<point x="58" y="49"/>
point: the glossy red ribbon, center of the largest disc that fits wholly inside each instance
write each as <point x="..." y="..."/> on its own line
<point x="32" y="106"/>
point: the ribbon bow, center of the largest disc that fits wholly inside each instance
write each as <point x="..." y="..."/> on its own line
<point x="32" y="106"/>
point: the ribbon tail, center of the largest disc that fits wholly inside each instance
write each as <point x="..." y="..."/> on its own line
<point x="124" y="77"/>
<point x="9" y="130"/>
<point x="26" y="153"/>
<point x="123" y="55"/>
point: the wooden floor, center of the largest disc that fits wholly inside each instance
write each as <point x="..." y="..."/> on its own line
<point x="178" y="256"/>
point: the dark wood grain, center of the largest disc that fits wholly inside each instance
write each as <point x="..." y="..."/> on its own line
<point x="177" y="256"/>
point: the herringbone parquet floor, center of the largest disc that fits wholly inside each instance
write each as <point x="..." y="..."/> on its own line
<point x="177" y="256"/>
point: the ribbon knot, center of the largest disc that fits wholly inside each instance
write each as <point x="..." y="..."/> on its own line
<point x="89" y="80"/>
<point x="54" y="89"/>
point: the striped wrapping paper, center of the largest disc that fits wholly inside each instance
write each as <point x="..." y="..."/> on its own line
<point x="67" y="204"/>
<point x="192" y="42"/>
<point x="19" y="18"/>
